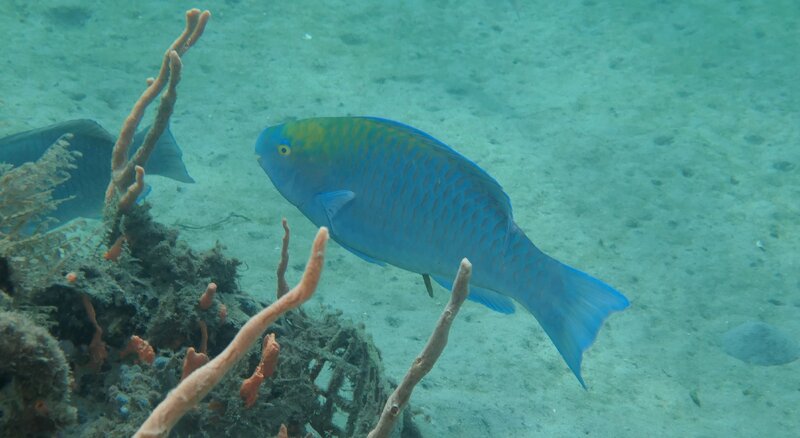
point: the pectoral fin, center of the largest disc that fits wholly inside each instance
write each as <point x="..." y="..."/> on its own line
<point x="332" y="203"/>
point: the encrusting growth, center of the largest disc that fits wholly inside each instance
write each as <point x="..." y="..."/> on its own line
<point x="193" y="388"/>
<point x="141" y="348"/>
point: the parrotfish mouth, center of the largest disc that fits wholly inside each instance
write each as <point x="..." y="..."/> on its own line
<point x="286" y="187"/>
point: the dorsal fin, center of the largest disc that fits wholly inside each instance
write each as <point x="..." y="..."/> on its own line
<point x="30" y="145"/>
<point x="86" y="127"/>
<point x="492" y="186"/>
<point x="42" y="138"/>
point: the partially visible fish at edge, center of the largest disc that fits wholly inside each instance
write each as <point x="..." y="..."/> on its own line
<point x="88" y="181"/>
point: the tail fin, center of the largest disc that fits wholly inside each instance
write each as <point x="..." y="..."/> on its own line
<point x="571" y="306"/>
<point x="167" y="157"/>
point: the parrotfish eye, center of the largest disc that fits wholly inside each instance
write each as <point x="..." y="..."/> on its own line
<point x="284" y="149"/>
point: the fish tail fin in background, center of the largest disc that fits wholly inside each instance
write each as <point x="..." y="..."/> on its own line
<point x="167" y="157"/>
<point x="570" y="305"/>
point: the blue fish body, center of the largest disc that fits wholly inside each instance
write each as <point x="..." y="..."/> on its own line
<point x="393" y="194"/>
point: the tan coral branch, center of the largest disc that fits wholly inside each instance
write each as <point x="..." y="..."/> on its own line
<point x="283" y="287"/>
<point x="424" y="362"/>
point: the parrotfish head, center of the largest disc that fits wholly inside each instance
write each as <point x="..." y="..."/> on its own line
<point x="291" y="159"/>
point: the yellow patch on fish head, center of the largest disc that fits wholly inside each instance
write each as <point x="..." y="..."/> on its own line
<point x="306" y="135"/>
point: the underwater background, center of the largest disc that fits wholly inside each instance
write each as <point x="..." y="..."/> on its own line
<point x="654" y="144"/>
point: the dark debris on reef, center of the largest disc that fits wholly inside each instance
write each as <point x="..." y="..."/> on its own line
<point x="329" y="381"/>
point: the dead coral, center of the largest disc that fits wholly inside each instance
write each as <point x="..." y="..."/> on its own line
<point x="329" y="379"/>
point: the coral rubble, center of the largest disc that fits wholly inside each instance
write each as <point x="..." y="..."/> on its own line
<point x="329" y="380"/>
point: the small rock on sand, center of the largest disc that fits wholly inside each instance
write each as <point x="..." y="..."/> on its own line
<point x="759" y="343"/>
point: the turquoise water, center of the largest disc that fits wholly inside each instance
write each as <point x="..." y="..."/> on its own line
<point x="655" y="145"/>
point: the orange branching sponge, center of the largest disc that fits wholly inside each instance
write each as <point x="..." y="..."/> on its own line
<point x="223" y="313"/>
<point x="203" y="336"/>
<point x="283" y="433"/>
<point x="97" y="348"/>
<point x="123" y="168"/>
<point x="115" y="250"/>
<point x="208" y="296"/>
<point x="142" y="349"/>
<point x="193" y="361"/>
<point x="133" y="192"/>
<point x="269" y="359"/>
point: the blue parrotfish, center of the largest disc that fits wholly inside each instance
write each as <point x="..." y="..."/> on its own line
<point x="393" y="194"/>
<point x="88" y="181"/>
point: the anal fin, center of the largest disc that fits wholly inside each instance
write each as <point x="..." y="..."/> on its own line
<point x="489" y="298"/>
